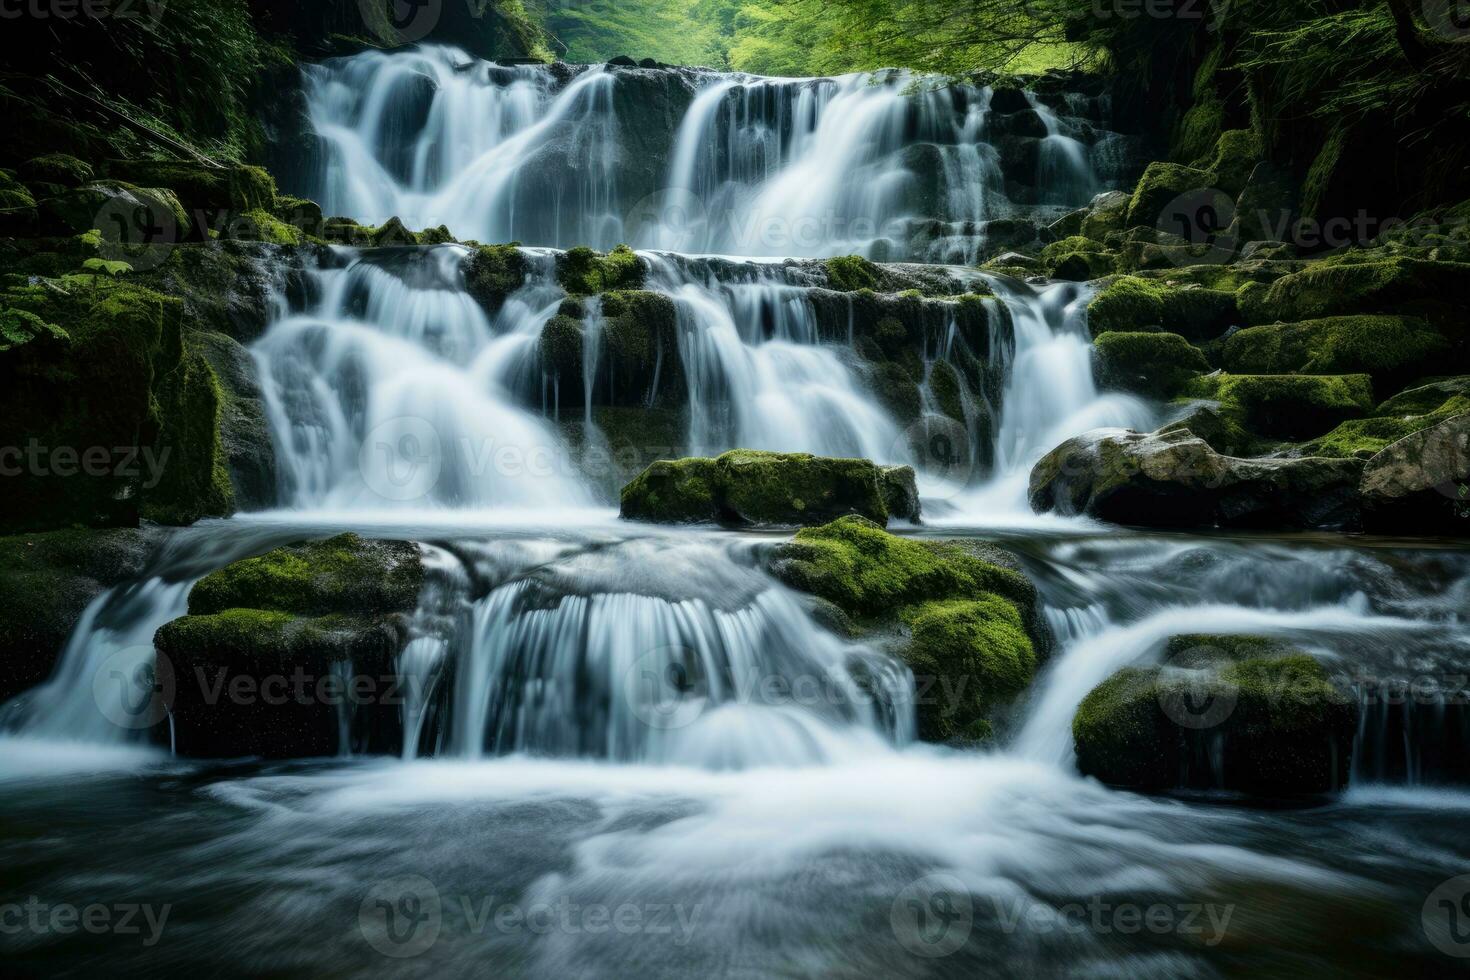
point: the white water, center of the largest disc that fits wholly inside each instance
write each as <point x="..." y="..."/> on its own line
<point x="888" y="164"/>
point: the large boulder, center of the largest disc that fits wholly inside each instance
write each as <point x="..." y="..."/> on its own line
<point x="747" y="486"/>
<point x="959" y="614"/>
<point x="1234" y="713"/>
<point x="1160" y="185"/>
<point x="1173" y="478"/>
<point x="493" y="272"/>
<point x="278" y="650"/>
<point x="1422" y="482"/>
<point x="1435" y="291"/>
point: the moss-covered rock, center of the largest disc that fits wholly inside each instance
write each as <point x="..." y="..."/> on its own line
<point x="344" y="574"/>
<point x="1390" y="349"/>
<point x="1107" y="213"/>
<point x="753" y="487"/>
<point x="1237" y="153"/>
<point x="966" y="624"/>
<point x="1293" y="407"/>
<point x="1160" y="184"/>
<point x="1078" y="259"/>
<point x="1157" y="364"/>
<point x="301" y="214"/>
<point x="1272" y="725"/>
<point x="583" y="272"/>
<point x="1435" y="291"/>
<point x="1131" y="303"/>
<point x="46" y="581"/>
<point x="57" y="168"/>
<point x="319" y="625"/>
<point x="244" y="431"/>
<point x="849" y="273"/>
<point x="215" y="190"/>
<point x="1172" y="478"/>
<point x="561" y="347"/>
<point x="493" y="272"/>
<point x="121" y="211"/>
<point x="120" y="408"/>
<point x="640" y="349"/>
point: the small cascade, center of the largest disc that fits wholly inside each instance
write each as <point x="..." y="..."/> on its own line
<point x="1412" y="731"/>
<point x="393" y="389"/>
<point x="106" y="689"/>
<point x="665" y="651"/>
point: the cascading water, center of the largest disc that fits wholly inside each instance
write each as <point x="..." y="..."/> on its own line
<point x="889" y="165"/>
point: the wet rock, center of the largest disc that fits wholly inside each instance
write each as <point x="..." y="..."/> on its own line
<point x="1271" y="723"/>
<point x="1173" y="478"/>
<point x="752" y="487"/>
<point x="244" y="430"/>
<point x="1421" y="483"/>
<point x="278" y="650"/>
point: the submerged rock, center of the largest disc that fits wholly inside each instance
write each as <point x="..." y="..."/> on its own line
<point x="964" y="623"/>
<point x="747" y="486"/>
<point x="1173" y="478"/>
<point x="1234" y="713"/>
<point x="276" y="648"/>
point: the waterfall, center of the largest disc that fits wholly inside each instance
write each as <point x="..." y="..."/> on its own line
<point x="394" y="390"/>
<point x="890" y="164"/>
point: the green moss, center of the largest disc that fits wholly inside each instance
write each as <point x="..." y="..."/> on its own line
<point x="1160" y="184"/>
<point x="672" y="491"/>
<point x="1131" y="304"/>
<point x="750" y="486"/>
<point x="583" y="272"/>
<point x="57" y="168"/>
<point x="1156" y="364"/>
<point x="231" y="189"/>
<point x="948" y="389"/>
<point x="1425" y="398"/>
<point x="1395" y="419"/>
<point x="866" y="571"/>
<point x="493" y="273"/>
<point x="1237" y="152"/>
<point x="262" y="226"/>
<point x="301" y="214"/>
<point x="1435" y="291"/>
<point x="561" y="346"/>
<point x="1078" y="259"/>
<point x="193" y="480"/>
<point x="1288" y="406"/>
<point x="1389" y="348"/>
<point x="640" y="347"/>
<point x="849" y="273"/>
<point x="1277" y="724"/>
<point x="339" y="575"/>
<point x="1199" y="131"/>
<point x="895" y="387"/>
<point x="968" y="656"/>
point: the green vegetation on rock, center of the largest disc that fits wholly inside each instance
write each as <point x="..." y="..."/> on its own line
<point x="344" y="574"/>
<point x="583" y="272"/>
<point x="749" y="486"/>
<point x="1391" y="349"/>
<point x="1156" y="364"/>
<point x="1288" y="406"/>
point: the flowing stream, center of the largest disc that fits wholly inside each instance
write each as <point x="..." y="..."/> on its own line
<point x="604" y="720"/>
